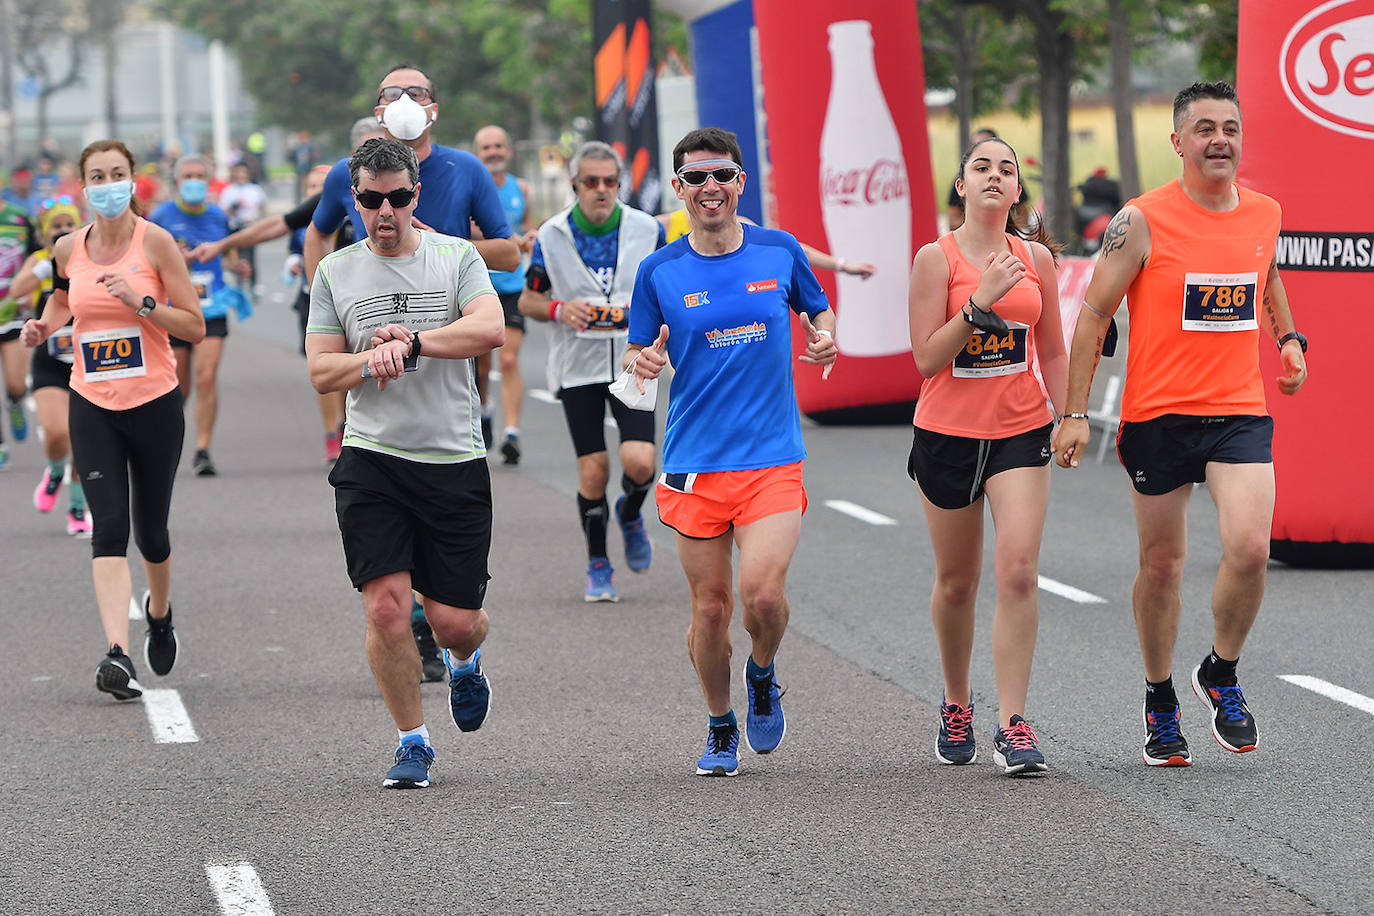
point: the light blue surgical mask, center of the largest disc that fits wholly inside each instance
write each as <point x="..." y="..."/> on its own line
<point x="110" y="200"/>
<point x="194" y="190"/>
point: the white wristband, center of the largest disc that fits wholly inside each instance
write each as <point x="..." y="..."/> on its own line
<point x="43" y="269"/>
<point x="825" y="332"/>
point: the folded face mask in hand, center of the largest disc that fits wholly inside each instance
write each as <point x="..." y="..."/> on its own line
<point x="627" y="392"/>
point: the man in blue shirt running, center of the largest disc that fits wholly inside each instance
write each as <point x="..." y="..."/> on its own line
<point x="193" y="221"/>
<point x="719" y="303"/>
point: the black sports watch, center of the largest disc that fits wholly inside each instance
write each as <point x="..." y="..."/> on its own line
<point x="1294" y="335"/>
<point x="149" y="303"/>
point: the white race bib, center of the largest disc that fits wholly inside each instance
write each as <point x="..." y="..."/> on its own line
<point x="1219" y="302"/>
<point x="109" y="356"/>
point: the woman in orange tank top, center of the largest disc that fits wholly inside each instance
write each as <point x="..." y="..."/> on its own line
<point x="126" y="286"/>
<point x="984" y="319"/>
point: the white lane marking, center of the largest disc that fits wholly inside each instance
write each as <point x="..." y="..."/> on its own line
<point x="854" y="510"/>
<point x="541" y="394"/>
<point x="1333" y="691"/>
<point x="135" y="609"/>
<point x="167" y="716"/>
<point x="494" y="374"/>
<point x="238" y="889"/>
<point x="1068" y="591"/>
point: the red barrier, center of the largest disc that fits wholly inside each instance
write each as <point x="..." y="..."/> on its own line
<point x="844" y="94"/>
<point x="1306" y="83"/>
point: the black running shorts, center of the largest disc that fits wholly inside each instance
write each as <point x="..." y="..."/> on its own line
<point x="1171" y="451"/>
<point x="510" y="304"/>
<point x="584" y="407"/>
<point x="952" y="470"/>
<point x="214" y="327"/>
<point x="431" y="519"/>
<point x="47" y="371"/>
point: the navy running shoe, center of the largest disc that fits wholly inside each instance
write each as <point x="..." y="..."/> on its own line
<point x="469" y="692"/>
<point x="1232" y="725"/>
<point x="764" y="724"/>
<point x="411" y="770"/>
<point x="955" y="744"/>
<point x="600" y="586"/>
<point x="115" y="675"/>
<point x="510" y="450"/>
<point x="1017" y="750"/>
<point x="1164" y="742"/>
<point x="722" y="752"/>
<point x="639" y="550"/>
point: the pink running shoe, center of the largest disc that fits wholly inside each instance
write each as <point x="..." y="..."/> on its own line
<point x="333" y="443"/>
<point x="45" y="497"/>
<point x="79" y="523"/>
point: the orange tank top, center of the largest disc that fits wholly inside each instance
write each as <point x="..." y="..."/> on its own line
<point x="989" y="390"/>
<point x="122" y="360"/>
<point x="1194" y="338"/>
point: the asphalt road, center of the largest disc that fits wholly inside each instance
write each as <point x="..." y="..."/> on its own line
<point x="578" y="794"/>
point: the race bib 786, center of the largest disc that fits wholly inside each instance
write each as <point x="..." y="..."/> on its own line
<point x="1219" y="302"/>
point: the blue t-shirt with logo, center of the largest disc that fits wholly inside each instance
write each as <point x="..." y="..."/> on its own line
<point x="191" y="229"/>
<point x="729" y="317"/>
<point x="455" y="190"/>
<point x="513" y="202"/>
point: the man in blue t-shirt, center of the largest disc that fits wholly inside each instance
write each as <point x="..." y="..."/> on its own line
<point x="458" y="190"/>
<point x="192" y="221"/>
<point x="492" y="145"/>
<point x="719" y="303"/>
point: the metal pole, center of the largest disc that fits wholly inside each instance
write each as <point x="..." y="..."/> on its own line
<point x="165" y="71"/>
<point x="219" y="109"/>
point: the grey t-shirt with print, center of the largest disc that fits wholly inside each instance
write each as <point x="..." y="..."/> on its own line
<point x="431" y="415"/>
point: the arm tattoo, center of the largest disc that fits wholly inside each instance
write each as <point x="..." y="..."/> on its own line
<point x="1269" y="311"/>
<point x="1114" y="238"/>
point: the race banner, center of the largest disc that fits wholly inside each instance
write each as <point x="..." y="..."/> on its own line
<point x="626" y="111"/>
<point x="1305" y="76"/>
<point x="844" y="97"/>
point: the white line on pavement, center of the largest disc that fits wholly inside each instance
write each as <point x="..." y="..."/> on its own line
<point x="135" y="609"/>
<point x="854" y="510"/>
<point x="541" y="394"/>
<point x="1328" y="689"/>
<point x="1068" y="591"/>
<point x="167" y="716"/>
<point x="238" y="890"/>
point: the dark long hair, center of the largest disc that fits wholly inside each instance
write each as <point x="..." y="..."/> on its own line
<point x="1018" y="217"/>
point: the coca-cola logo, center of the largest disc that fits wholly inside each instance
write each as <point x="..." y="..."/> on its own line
<point x="878" y="183"/>
<point x="1326" y="66"/>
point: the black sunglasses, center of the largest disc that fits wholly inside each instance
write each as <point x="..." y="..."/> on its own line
<point x="697" y="177"/>
<point x="592" y="181"/>
<point x="392" y="93"/>
<point x="372" y="200"/>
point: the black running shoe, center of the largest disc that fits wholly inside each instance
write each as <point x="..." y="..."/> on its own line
<point x="1232" y="725"/>
<point x="160" y="645"/>
<point x="202" y="464"/>
<point x="115" y="675"/>
<point x="1164" y="742"/>
<point x="510" y="450"/>
<point x="431" y="659"/>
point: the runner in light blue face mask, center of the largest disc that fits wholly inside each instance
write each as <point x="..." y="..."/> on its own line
<point x="110" y="200"/>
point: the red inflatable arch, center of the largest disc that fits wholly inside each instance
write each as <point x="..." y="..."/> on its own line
<point x="1305" y="75"/>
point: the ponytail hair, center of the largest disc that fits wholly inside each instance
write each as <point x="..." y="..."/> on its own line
<point x="105" y="146"/>
<point x="1018" y="219"/>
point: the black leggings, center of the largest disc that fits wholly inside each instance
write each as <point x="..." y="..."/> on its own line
<point x="119" y="452"/>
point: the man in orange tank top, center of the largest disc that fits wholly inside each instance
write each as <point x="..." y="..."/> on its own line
<point x="1195" y="259"/>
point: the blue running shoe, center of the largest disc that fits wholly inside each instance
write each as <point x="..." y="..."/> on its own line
<point x="599" y="585"/>
<point x="955" y="744"/>
<point x="722" y="752"/>
<point x="764" y="723"/>
<point x="411" y="770"/>
<point x="19" y="423"/>
<point x="1165" y="745"/>
<point x="469" y="693"/>
<point x="639" y="550"/>
<point x="4" y="456"/>
<point x="1232" y="725"/>
<point x="1017" y="750"/>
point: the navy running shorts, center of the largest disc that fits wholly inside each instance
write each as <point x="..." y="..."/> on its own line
<point x="1171" y="451"/>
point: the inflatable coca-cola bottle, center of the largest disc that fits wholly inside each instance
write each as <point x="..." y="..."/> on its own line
<point x="865" y="199"/>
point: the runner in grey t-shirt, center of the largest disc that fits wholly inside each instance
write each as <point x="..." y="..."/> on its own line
<point x="411" y="488"/>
